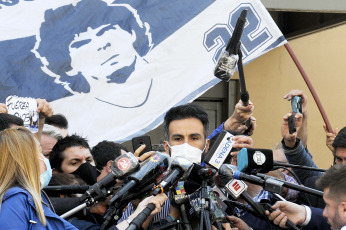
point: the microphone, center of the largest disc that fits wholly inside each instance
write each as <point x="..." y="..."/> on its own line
<point x="227" y="62"/>
<point x="270" y="184"/>
<point x="150" y="169"/>
<point x="65" y="189"/>
<point x="180" y="168"/>
<point x="261" y="160"/>
<point x="237" y="188"/>
<point x="220" y="150"/>
<point x="121" y="167"/>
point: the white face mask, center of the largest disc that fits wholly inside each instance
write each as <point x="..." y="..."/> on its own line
<point x="187" y="151"/>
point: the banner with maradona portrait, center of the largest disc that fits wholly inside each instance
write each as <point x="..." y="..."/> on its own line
<point x="113" y="68"/>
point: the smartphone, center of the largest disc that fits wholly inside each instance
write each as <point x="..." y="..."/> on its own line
<point x="142" y="140"/>
<point x="292" y="124"/>
<point x="296" y="104"/>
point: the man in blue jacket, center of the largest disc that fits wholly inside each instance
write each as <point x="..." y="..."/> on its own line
<point x="333" y="182"/>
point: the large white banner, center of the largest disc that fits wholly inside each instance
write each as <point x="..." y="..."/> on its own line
<point x="115" y="67"/>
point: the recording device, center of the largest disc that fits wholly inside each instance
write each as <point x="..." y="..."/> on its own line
<point x="260" y="160"/>
<point x="227" y="62"/>
<point x="292" y="124"/>
<point x="142" y="140"/>
<point x="296" y="104"/>
<point x="180" y="168"/>
<point x="220" y="150"/>
<point x="121" y="167"/>
<point x="215" y="205"/>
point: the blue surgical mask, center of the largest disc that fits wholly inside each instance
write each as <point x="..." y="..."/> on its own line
<point x="47" y="175"/>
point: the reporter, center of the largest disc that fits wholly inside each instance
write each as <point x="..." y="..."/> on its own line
<point x="22" y="166"/>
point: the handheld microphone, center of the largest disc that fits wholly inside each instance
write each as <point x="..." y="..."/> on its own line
<point x="198" y="173"/>
<point x="220" y="150"/>
<point x="121" y="167"/>
<point x="237" y="188"/>
<point x="180" y="168"/>
<point x="249" y="160"/>
<point x="227" y="62"/>
<point x="269" y="183"/>
<point x="261" y="160"/>
<point x="150" y="169"/>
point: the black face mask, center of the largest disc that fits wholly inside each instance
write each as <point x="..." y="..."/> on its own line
<point x="87" y="172"/>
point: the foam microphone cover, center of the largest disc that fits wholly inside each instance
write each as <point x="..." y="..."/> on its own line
<point x="255" y="160"/>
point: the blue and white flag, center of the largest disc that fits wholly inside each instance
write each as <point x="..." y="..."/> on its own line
<point x="113" y="68"/>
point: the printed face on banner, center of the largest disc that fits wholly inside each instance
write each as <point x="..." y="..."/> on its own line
<point x="99" y="53"/>
<point x="107" y="48"/>
<point x="122" y="64"/>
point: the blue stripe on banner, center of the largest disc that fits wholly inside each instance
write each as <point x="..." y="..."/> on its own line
<point x="276" y="43"/>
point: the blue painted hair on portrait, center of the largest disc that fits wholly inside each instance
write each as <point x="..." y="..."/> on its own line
<point x="61" y="25"/>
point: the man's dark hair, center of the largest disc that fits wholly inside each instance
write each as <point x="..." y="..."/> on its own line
<point x="6" y="120"/>
<point x="105" y="151"/>
<point x="56" y="156"/>
<point x="64" y="179"/>
<point x="340" y="139"/>
<point x="57" y="120"/>
<point x="186" y="111"/>
<point x="335" y="180"/>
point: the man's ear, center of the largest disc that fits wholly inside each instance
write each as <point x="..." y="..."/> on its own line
<point x="207" y="144"/>
<point x="108" y="166"/>
<point x="342" y="211"/>
<point x="54" y="171"/>
<point x="165" y="144"/>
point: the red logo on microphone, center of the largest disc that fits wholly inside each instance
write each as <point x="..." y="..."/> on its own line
<point x="123" y="164"/>
<point x="236" y="186"/>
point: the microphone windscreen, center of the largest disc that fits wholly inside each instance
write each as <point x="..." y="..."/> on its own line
<point x="260" y="160"/>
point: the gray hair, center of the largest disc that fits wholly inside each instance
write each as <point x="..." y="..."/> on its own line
<point x="51" y="131"/>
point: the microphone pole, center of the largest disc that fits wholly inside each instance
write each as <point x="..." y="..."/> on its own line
<point x="280" y="165"/>
<point x="270" y="180"/>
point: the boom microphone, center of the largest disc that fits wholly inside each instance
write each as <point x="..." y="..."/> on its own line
<point x="180" y="168"/>
<point x="227" y="62"/>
